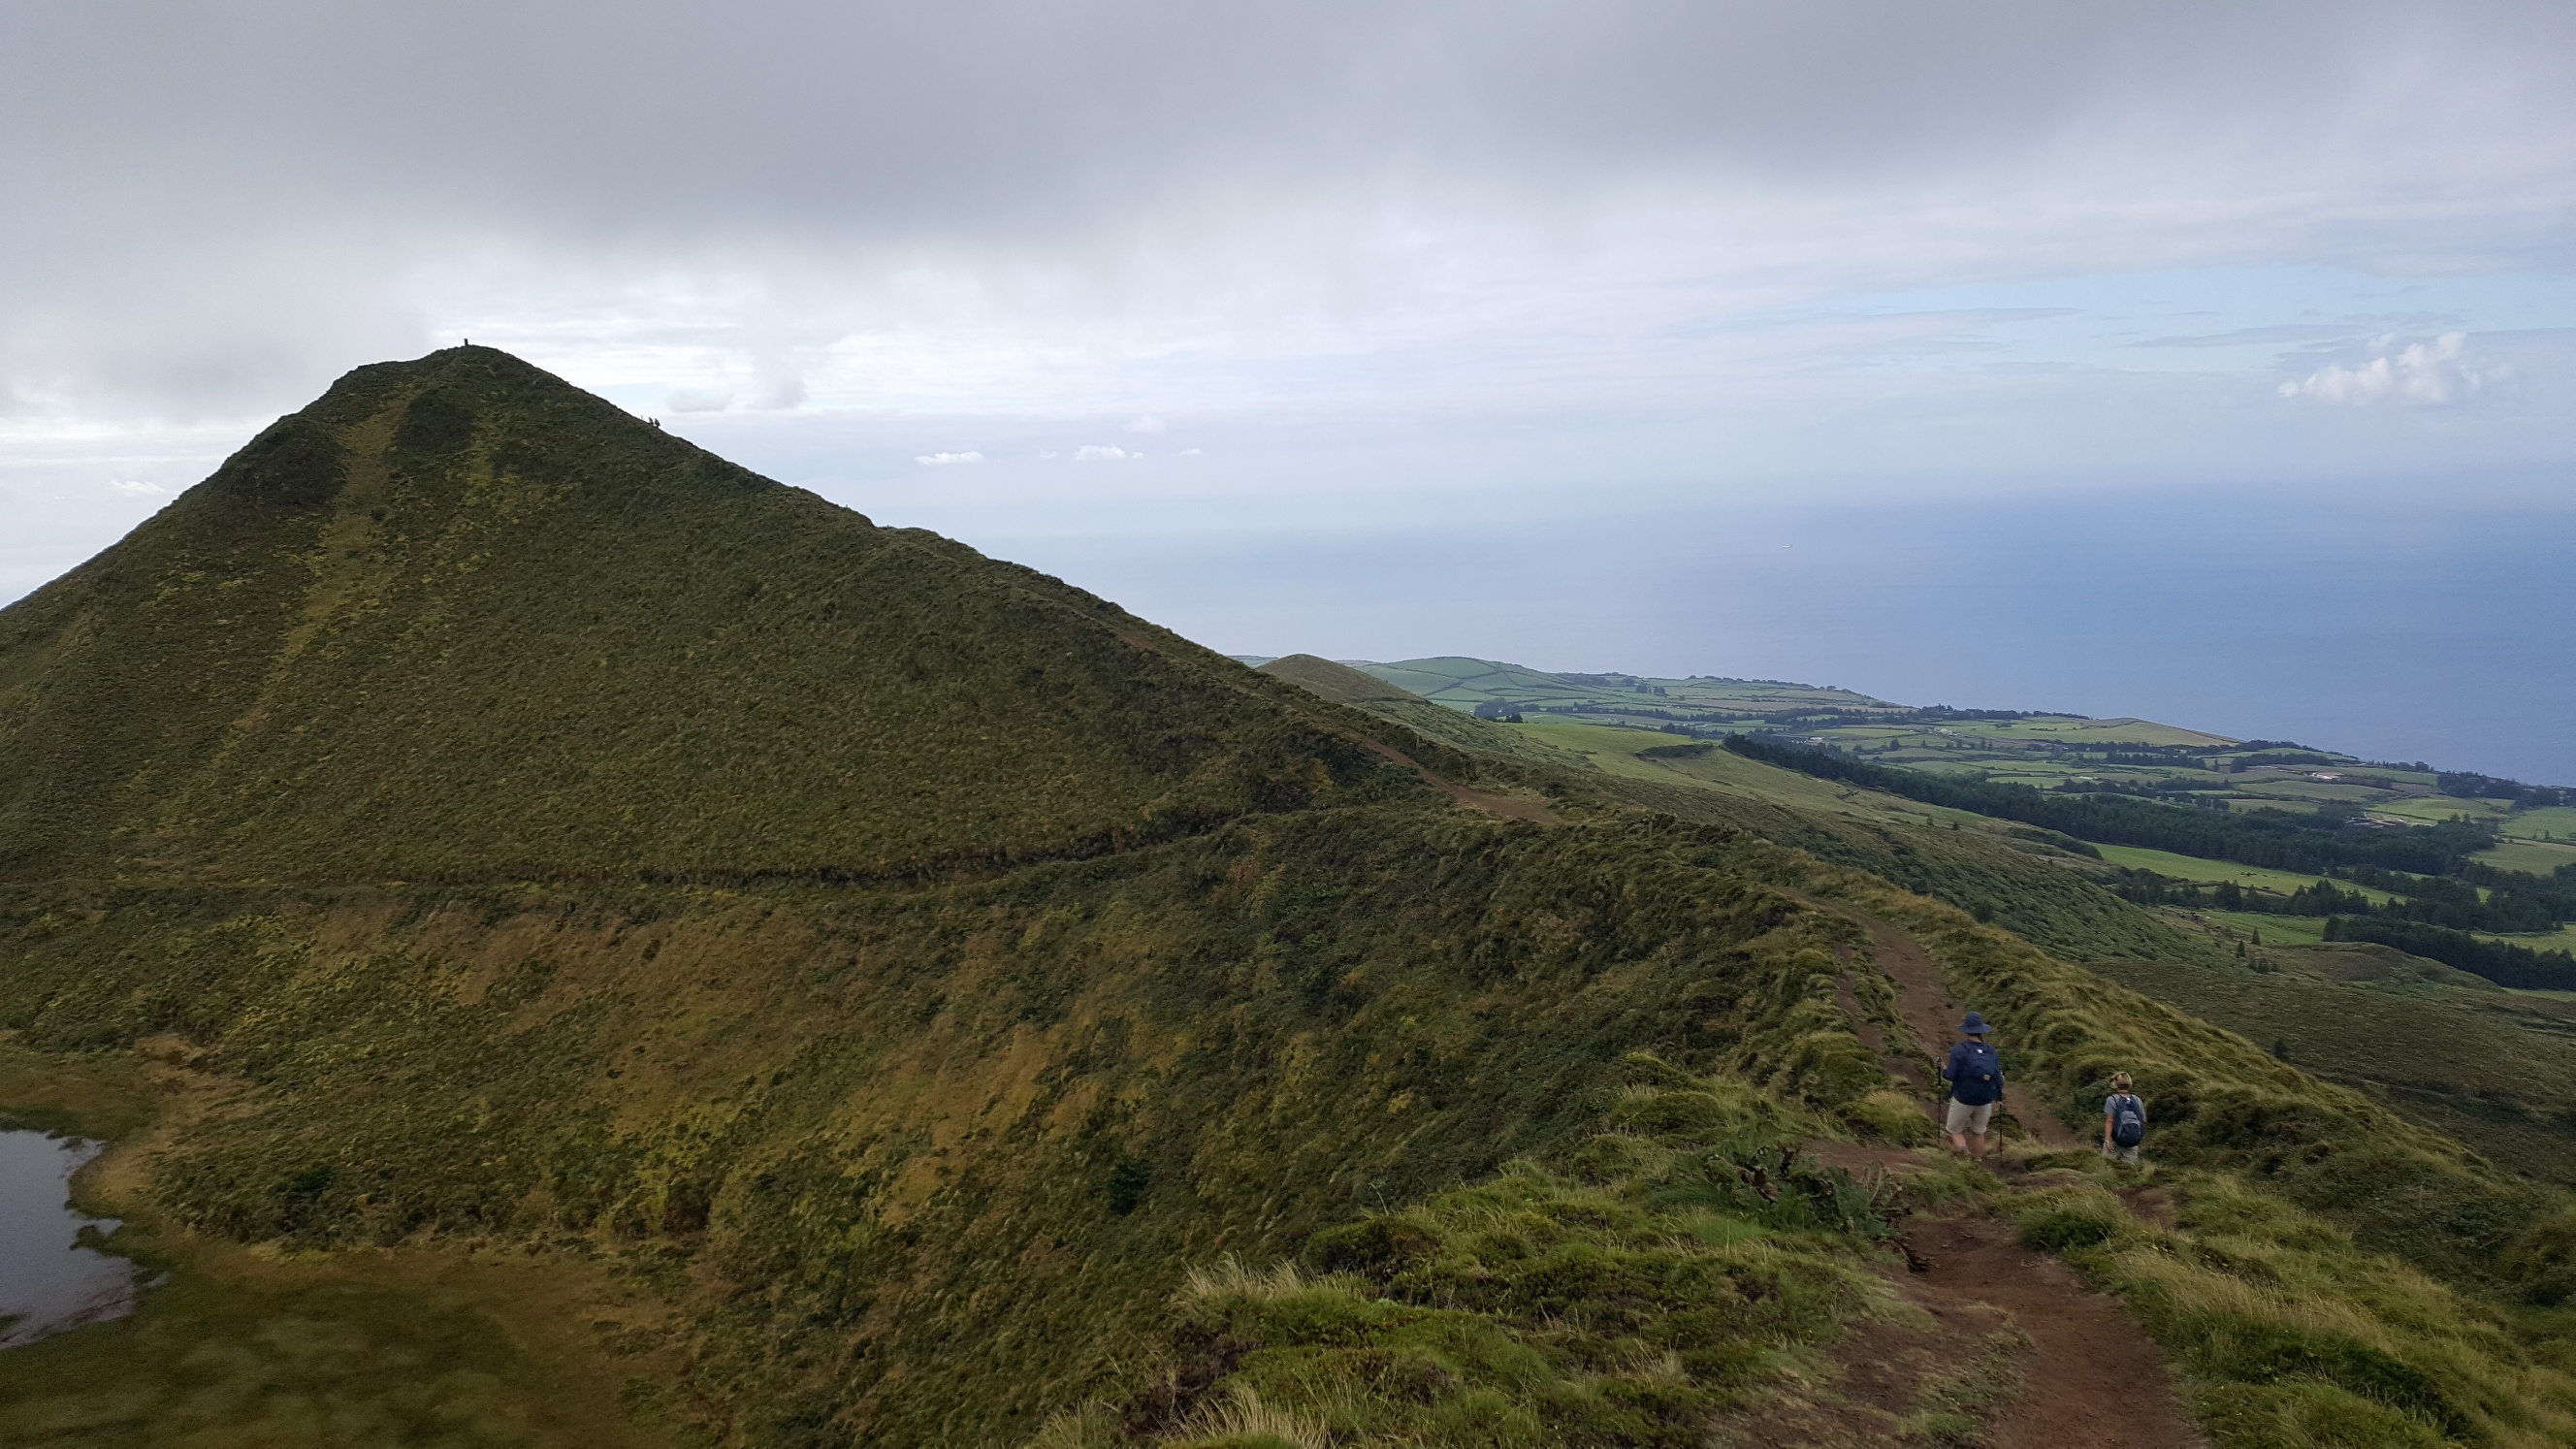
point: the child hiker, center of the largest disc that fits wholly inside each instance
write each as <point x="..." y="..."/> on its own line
<point x="1975" y="1073"/>
<point x="2124" y="1120"/>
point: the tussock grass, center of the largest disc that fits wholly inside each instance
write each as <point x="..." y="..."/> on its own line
<point x="961" y="1141"/>
<point x="1633" y="1289"/>
<point x="2286" y="1333"/>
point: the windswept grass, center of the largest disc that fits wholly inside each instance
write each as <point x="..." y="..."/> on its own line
<point x="2287" y="1334"/>
<point x="1637" y="1288"/>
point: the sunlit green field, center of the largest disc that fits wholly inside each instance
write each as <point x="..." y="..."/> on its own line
<point x="2538" y="857"/>
<point x="2434" y="809"/>
<point x="1616" y="751"/>
<point x="2212" y="872"/>
<point x="2310" y="790"/>
<point x="2550" y="822"/>
<point x="2069" y="730"/>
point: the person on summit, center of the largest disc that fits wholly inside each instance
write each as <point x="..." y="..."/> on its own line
<point x="1975" y="1073"/>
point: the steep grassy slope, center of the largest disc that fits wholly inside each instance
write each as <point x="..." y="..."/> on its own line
<point x="460" y="619"/>
<point x="926" y="1163"/>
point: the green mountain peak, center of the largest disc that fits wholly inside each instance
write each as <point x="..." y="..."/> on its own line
<point x="459" y="618"/>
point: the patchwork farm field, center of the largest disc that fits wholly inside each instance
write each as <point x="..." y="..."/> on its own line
<point x="2207" y="872"/>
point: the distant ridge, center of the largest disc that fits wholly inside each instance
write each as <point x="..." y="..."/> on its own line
<point x="1339" y="683"/>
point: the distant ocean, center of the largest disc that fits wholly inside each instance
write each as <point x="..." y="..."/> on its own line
<point x="2393" y="627"/>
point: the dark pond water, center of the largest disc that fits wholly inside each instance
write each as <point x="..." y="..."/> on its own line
<point x="48" y="1281"/>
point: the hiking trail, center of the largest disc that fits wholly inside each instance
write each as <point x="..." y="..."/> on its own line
<point x="2089" y="1375"/>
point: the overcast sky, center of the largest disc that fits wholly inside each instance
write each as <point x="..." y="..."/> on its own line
<point x="1096" y="285"/>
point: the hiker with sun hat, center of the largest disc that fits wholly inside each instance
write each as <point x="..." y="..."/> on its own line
<point x="1975" y="1073"/>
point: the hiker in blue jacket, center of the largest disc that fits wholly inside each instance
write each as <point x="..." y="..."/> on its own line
<point x="1975" y="1073"/>
<point x="2124" y="1120"/>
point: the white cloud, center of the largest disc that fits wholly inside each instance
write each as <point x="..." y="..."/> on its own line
<point x="699" y="400"/>
<point x="1097" y="453"/>
<point x="1149" y="423"/>
<point x="937" y="460"/>
<point x="2438" y="373"/>
<point x="140" y="488"/>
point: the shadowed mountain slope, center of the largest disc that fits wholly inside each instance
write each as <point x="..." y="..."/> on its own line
<point x="459" y="618"/>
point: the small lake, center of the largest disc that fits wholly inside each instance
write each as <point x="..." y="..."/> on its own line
<point x="48" y="1281"/>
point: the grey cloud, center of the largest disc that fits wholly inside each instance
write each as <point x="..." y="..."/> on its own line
<point x="216" y="206"/>
<point x="927" y="121"/>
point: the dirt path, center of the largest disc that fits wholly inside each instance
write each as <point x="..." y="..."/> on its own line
<point x="1931" y="1020"/>
<point x="2090" y="1376"/>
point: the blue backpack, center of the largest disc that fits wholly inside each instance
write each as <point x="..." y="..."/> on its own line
<point x="1981" y="1075"/>
<point x="2128" y="1120"/>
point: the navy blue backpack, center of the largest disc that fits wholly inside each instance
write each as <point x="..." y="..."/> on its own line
<point x="2128" y="1120"/>
<point x="1981" y="1076"/>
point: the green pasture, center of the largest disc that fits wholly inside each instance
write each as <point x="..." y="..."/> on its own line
<point x="2070" y="730"/>
<point x="2254" y="802"/>
<point x="2212" y="872"/>
<point x="1463" y="683"/>
<point x="2434" y="809"/>
<point x="2537" y="856"/>
<point x="2313" y="790"/>
<point x="2553" y="822"/>
<point x="2562" y="939"/>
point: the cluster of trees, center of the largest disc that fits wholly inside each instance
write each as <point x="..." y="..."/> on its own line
<point x="1944" y="714"/>
<point x="2170" y="757"/>
<point x="2439" y="902"/>
<point x="2277" y="839"/>
<point x="2505" y="965"/>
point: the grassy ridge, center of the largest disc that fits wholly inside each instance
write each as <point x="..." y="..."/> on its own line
<point x="926" y="1162"/>
<point x="1637" y="1289"/>
<point x="1561" y="1301"/>
<point x="460" y="620"/>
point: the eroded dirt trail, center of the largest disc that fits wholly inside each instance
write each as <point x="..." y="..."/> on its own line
<point x="1931" y="1019"/>
<point x="2089" y="1376"/>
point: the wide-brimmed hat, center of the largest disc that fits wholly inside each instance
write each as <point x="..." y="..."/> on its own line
<point x="1975" y="1025"/>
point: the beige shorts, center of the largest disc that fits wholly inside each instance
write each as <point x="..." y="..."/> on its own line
<point x="1970" y="1121"/>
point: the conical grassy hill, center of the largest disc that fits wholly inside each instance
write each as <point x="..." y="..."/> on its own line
<point x="459" y="619"/>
